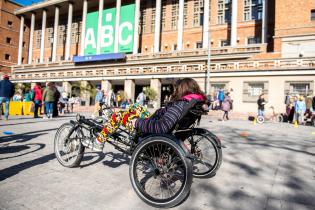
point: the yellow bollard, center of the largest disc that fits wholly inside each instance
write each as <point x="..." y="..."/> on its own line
<point x="255" y="121"/>
<point x="296" y="125"/>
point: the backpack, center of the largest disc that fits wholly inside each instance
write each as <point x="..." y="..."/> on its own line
<point x="221" y="95"/>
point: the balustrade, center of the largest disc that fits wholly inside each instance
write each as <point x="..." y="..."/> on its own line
<point x="281" y="64"/>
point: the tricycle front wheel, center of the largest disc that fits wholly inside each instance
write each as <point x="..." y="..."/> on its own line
<point x="67" y="146"/>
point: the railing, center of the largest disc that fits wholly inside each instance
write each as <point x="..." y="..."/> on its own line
<point x="200" y="52"/>
<point x="283" y="64"/>
<point x="161" y="55"/>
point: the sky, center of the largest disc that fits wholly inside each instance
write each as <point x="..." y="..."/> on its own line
<point x="27" y="2"/>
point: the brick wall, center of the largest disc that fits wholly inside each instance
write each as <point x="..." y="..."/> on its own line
<point x="278" y="24"/>
<point x="293" y="18"/>
<point x="6" y="31"/>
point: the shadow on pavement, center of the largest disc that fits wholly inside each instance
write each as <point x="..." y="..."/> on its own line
<point x="89" y="156"/>
<point x="39" y="120"/>
<point x="19" y="149"/>
<point x="116" y="159"/>
<point x="13" y="170"/>
<point x="23" y="137"/>
<point x="261" y="170"/>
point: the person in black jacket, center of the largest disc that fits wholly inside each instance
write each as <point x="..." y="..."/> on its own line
<point x="313" y="104"/>
<point x="6" y="93"/>
<point x="261" y="105"/>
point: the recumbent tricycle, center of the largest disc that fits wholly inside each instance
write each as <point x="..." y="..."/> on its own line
<point x="162" y="166"/>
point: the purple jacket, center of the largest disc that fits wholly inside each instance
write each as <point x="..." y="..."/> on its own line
<point x="226" y="104"/>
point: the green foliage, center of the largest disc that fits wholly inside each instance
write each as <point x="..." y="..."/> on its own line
<point x="150" y="93"/>
<point x="90" y="89"/>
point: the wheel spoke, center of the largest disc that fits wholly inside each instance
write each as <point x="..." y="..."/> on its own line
<point x="68" y="146"/>
<point x="206" y="155"/>
<point x="160" y="171"/>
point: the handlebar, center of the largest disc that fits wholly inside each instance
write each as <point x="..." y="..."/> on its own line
<point x="89" y="122"/>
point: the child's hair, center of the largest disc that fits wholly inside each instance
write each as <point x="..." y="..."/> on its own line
<point x="184" y="87"/>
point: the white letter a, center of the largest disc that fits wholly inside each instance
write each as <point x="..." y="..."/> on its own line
<point x="90" y="38"/>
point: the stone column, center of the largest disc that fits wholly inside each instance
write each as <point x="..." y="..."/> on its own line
<point x="106" y="85"/>
<point x="56" y="24"/>
<point x="180" y="29"/>
<point x="130" y="88"/>
<point x="116" y="46"/>
<point x="42" y="41"/>
<point x="68" y="39"/>
<point x="157" y="86"/>
<point x="136" y="29"/>
<point x="20" y="51"/>
<point x="234" y="24"/>
<point x="85" y="95"/>
<point x="99" y="26"/>
<point x="67" y="87"/>
<point x="205" y="36"/>
<point x="264" y="22"/>
<point x="85" y="9"/>
<point x="157" y="31"/>
<point x="30" y="47"/>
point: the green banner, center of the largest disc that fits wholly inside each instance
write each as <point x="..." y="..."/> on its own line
<point x="126" y="28"/>
<point x="90" y="35"/>
<point x="107" y="32"/>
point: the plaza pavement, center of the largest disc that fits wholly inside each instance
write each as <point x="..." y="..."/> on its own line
<point x="270" y="166"/>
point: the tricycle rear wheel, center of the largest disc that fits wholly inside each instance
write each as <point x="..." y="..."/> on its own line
<point x="160" y="172"/>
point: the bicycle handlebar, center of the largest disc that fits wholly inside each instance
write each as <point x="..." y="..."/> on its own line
<point x="89" y="122"/>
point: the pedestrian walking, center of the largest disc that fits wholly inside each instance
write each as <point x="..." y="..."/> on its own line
<point x="221" y="96"/>
<point x="141" y="98"/>
<point x="300" y="109"/>
<point x="37" y="91"/>
<point x="6" y="93"/>
<point x="56" y="101"/>
<point x="110" y="98"/>
<point x="27" y="95"/>
<point x="231" y="94"/>
<point x="226" y="106"/>
<point x="49" y="99"/>
<point x="17" y="97"/>
<point x="261" y="105"/>
<point x="118" y="99"/>
<point x="98" y="101"/>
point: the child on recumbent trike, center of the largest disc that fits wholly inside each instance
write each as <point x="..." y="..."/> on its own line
<point x="162" y="121"/>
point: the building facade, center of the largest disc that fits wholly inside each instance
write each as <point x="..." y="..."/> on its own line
<point x="9" y="39"/>
<point x="256" y="46"/>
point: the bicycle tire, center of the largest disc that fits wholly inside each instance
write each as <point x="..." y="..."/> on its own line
<point x="184" y="164"/>
<point x="260" y="119"/>
<point x="80" y="148"/>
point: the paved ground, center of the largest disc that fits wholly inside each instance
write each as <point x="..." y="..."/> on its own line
<point x="272" y="168"/>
